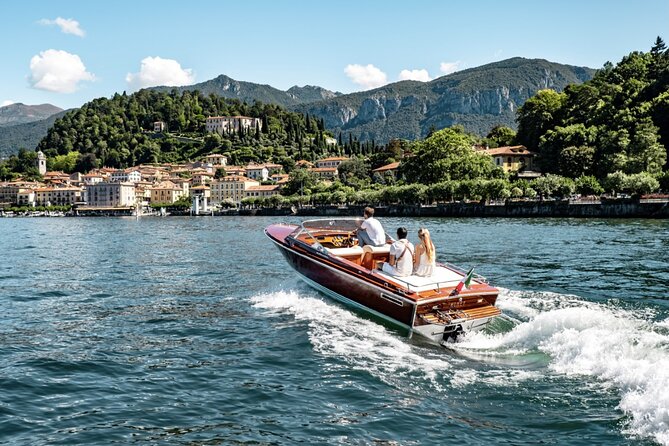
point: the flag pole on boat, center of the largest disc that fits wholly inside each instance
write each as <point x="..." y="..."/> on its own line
<point x="464" y="283"/>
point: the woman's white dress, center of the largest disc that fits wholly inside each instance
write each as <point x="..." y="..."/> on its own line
<point x="425" y="268"/>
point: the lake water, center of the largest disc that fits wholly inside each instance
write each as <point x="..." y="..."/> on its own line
<point x="194" y="331"/>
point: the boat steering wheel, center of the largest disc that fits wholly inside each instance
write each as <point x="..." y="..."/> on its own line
<point x="344" y="241"/>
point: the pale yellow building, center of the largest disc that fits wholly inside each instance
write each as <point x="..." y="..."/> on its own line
<point x="166" y="192"/>
<point x="231" y="188"/>
<point x="263" y="191"/>
<point x="512" y="158"/>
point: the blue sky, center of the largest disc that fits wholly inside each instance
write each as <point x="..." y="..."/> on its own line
<point x="69" y="52"/>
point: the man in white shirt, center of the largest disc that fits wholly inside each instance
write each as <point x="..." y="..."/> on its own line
<point x="400" y="262"/>
<point x="371" y="232"/>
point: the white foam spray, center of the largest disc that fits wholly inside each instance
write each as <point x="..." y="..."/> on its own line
<point x="621" y="347"/>
<point x="624" y="349"/>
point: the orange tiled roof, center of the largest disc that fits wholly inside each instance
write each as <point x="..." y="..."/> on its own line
<point x="391" y="166"/>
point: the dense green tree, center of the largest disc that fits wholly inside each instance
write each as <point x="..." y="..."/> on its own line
<point x="64" y="163"/>
<point x="553" y="186"/>
<point x="576" y="161"/>
<point x="621" y="116"/>
<point x="500" y="136"/>
<point x="354" y="171"/>
<point x="588" y="185"/>
<point x="301" y="181"/>
<point x="445" y="155"/>
<point x="537" y="115"/>
<point x="572" y="142"/>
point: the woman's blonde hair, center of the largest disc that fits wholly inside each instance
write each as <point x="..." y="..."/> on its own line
<point x="424" y="235"/>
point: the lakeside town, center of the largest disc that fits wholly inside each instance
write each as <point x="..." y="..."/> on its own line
<point x="201" y="186"/>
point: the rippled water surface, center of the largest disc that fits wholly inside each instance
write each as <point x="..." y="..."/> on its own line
<point x="193" y="331"/>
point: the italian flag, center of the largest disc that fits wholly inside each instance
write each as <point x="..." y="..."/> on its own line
<point x="466" y="280"/>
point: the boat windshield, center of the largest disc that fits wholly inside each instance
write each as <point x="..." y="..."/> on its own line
<point x="314" y="232"/>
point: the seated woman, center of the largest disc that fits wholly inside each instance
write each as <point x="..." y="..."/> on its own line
<point x="424" y="260"/>
<point x="400" y="262"/>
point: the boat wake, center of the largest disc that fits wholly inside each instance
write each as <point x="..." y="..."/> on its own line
<point x="362" y="344"/>
<point x="625" y="350"/>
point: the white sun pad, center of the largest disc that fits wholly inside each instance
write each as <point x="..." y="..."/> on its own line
<point x="442" y="278"/>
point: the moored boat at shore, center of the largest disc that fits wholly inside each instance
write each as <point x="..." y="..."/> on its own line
<point x="325" y="253"/>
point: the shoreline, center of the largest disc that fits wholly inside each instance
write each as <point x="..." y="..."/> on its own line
<point x="619" y="208"/>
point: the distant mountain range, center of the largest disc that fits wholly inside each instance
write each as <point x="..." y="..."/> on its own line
<point x="27" y="135"/>
<point x="477" y="98"/>
<point x="248" y="92"/>
<point x="14" y="114"/>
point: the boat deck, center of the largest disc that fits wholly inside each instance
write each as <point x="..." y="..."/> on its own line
<point x="372" y="258"/>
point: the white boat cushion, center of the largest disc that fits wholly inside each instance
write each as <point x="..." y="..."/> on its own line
<point x="346" y="252"/>
<point x="441" y="278"/>
<point x="385" y="249"/>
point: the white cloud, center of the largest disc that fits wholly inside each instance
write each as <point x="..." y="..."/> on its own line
<point x="156" y="71"/>
<point x="6" y="103"/>
<point x="367" y="76"/>
<point x="415" y="75"/>
<point x="68" y="26"/>
<point x="58" y="71"/>
<point x="449" y="67"/>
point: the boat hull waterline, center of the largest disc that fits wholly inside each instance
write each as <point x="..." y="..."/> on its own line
<point x="429" y="307"/>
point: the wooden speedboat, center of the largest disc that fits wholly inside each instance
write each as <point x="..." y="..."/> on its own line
<point x="326" y="255"/>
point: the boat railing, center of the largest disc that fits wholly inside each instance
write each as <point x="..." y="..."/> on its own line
<point x="457" y="269"/>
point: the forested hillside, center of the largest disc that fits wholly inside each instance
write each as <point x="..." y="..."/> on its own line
<point x="118" y="132"/>
<point x="617" y="122"/>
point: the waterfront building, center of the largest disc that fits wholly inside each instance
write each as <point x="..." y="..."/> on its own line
<point x="235" y="170"/>
<point x="93" y="178"/>
<point x="231" y="188"/>
<point x="200" y="196"/>
<point x="228" y="124"/>
<point x="280" y="178"/>
<point x="25" y="197"/>
<point x="166" y="193"/>
<point x="9" y="191"/>
<point x="304" y="164"/>
<point x="200" y="178"/>
<point x="111" y="195"/>
<point x="392" y="167"/>
<point x="263" y="191"/>
<point x="56" y="177"/>
<point x="58" y="196"/>
<point x="76" y="179"/>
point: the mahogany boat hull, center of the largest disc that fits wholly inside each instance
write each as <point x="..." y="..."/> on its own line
<point x="341" y="285"/>
<point x="436" y="315"/>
